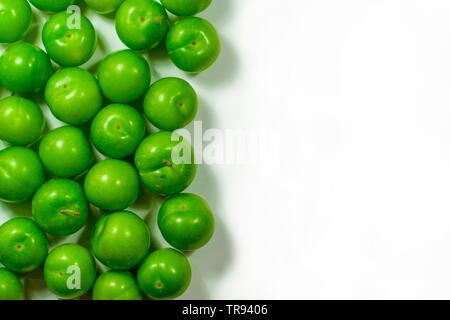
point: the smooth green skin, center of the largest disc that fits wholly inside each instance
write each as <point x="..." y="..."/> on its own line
<point x="124" y="76"/>
<point x="69" y="47"/>
<point x="186" y="222"/>
<point x="52" y="5"/>
<point x="117" y="130"/>
<point x="185" y="7"/>
<point x="60" y="207"/>
<point x="15" y="20"/>
<point x="141" y="24"/>
<point x="21" y="173"/>
<point x="24" y="68"/>
<point x="170" y="103"/>
<point x="104" y="6"/>
<point x="120" y="240"/>
<point x="73" y="95"/>
<point x="164" y="274"/>
<point x="66" y="152"/>
<point x="23" y="246"/>
<point x="112" y="185"/>
<point x="57" y="272"/>
<point x="21" y="121"/>
<point x="116" y="285"/>
<point x="153" y="159"/>
<point x="193" y="44"/>
<point x="10" y="286"/>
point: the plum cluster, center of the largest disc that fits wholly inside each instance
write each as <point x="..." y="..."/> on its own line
<point x="57" y="169"/>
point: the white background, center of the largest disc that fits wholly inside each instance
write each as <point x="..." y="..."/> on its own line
<point x="352" y="199"/>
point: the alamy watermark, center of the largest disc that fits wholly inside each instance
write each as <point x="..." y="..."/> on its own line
<point x="226" y="146"/>
<point x="74" y="19"/>
<point x="74" y="280"/>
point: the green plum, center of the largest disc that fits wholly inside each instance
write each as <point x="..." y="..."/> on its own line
<point x="60" y="207"/>
<point x="159" y="170"/>
<point x="21" y="174"/>
<point x="66" y="152"/>
<point x="21" y="121"/>
<point x="117" y="130"/>
<point x="186" y="7"/>
<point x="141" y="24"/>
<point x="10" y="286"/>
<point x="15" y="20"/>
<point x="120" y="240"/>
<point x="186" y="222"/>
<point x="193" y="44"/>
<point x="164" y="274"/>
<point x="52" y="5"/>
<point x="24" y="68"/>
<point x="73" y="95"/>
<point x="124" y="76"/>
<point x="23" y="246"/>
<point x="104" y="6"/>
<point x="170" y="104"/>
<point x="68" y="46"/>
<point x="70" y="271"/>
<point x="112" y="185"/>
<point x="116" y="285"/>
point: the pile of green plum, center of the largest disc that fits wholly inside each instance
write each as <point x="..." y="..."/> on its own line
<point x="57" y="169"/>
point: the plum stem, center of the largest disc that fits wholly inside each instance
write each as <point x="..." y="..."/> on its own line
<point x="167" y="163"/>
<point x="69" y="212"/>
